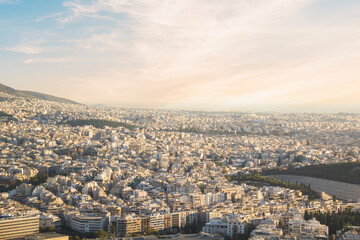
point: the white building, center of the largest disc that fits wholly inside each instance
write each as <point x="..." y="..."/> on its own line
<point x="89" y="223"/>
<point x="156" y="222"/>
<point x="47" y="221"/>
<point x="266" y="230"/>
<point x="216" y="225"/>
<point x="229" y="226"/>
<point x="349" y="233"/>
<point x="311" y="229"/>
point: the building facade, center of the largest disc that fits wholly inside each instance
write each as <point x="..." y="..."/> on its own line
<point x="11" y="228"/>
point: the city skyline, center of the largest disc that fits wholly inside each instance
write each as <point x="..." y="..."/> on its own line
<point x="298" y="56"/>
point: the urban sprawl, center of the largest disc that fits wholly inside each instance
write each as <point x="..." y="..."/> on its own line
<point x="163" y="173"/>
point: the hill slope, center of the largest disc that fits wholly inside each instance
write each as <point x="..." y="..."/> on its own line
<point x="33" y="95"/>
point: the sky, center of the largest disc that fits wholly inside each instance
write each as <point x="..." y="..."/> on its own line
<point x="228" y="55"/>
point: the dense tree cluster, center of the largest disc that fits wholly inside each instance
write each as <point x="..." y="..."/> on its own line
<point x="6" y="117"/>
<point x="99" y="123"/>
<point x="336" y="220"/>
<point x="36" y="180"/>
<point x="74" y="235"/>
<point x="342" y="172"/>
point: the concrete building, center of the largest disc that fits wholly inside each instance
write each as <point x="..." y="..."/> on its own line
<point x="349" y="233"/>
<point x="302" y="229"/>
<point x="125" y="226"/>
<point x="156" y="222"/>
<point x="229" y="226"/>
<point x="47" y="221"/>
<point x="216" y="225"/>
<point x="89" y="223"/>
<point x="18" y="227"/>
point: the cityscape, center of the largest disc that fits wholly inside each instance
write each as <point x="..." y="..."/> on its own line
<point x="146" y="172"/>
<point x="179" y="119"/>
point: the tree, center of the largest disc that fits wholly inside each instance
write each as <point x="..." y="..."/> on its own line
<point x="152" y="231"/>
<point x="280" y="225"/>
<point x="48" y="229"/>
<point x="202" y="188"/>
<point x="112" y="229"/>
<point x="102" y="234"/>
<point x="291" y="166"/>
<point x="307" y="216"/>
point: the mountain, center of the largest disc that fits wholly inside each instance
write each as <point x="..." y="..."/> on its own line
<point x="33" y="95"/>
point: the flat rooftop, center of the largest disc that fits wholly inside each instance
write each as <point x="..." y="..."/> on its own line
<point x="42" y="236"/>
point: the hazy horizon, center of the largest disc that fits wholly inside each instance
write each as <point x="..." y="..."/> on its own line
<point x="232" y="55"/>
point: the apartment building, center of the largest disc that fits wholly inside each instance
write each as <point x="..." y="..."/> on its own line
<point x="89" y="223"/>
<point x="125" y="226"/>
<point x="157" y="222"/>
<point x="18" y="227"/>
<point x="311" y="229"/>
<point x="227" y="226"/>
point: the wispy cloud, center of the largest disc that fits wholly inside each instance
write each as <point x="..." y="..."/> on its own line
<point x="47" y="60"/>
<point x="234" y="53"/>
<point x="231" y="54"/>
<point x="42" y="18"/>
<point x="24" y="49"/>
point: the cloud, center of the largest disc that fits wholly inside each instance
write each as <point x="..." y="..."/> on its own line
<point x="47" y="60"/>
<point x="55" y="15"/>
<point x="231" y="54"/>
<point x="24" y="49"/>
<point x="80" y="9"/>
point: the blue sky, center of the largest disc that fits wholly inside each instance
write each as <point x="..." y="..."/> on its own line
<point x="259" y="55"/>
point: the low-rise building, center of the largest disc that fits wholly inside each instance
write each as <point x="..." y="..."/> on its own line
<point x="349" y="233"/>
